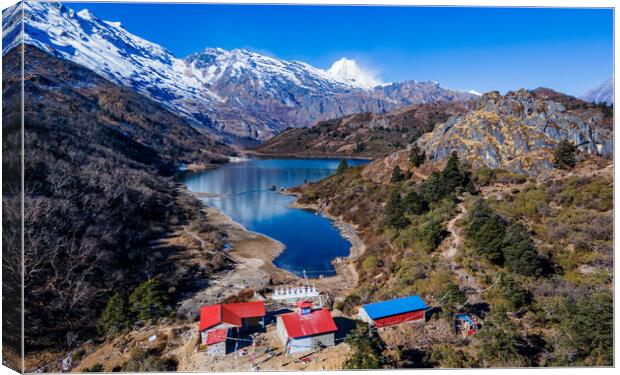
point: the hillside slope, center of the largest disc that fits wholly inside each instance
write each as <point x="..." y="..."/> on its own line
<point x="362" y="135"/>
<point x="98" y="188"/>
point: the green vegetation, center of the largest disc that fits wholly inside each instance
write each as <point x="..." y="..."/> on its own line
<point x="367" y="349"/>
<point x="564" y="155"/>
<point x="148" y="301"/>
<point x="395" y="211"/>
<point x="141" y="360"/>
<point x="444" y="356"/>
<point x="500" y="242"/>
<point x="452" y="299"/>
<point x="453" y="179"/>
<point x="397" y="175"/>
<point x="487" y="176"/>
<point x="342" y="166"/>
<point x="541" y="255"/>
<point x="115" y="316"/>
<point x="416" y="156"/>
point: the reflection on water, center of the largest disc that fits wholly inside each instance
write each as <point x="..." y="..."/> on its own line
<point x="311" y="240"/>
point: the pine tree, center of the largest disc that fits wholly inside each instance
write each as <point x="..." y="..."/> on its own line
<point x="115" y="316"/>
<point x="416" y="156"/>
<point x="397" y="175"/>
<point x="415" y="204"/>
<point x="342" y="166"/>
<point x="395" y="211"/>
<point x="148" y="301"/>
<point x="564" y="156"/>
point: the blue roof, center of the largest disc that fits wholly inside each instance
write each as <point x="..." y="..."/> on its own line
<point x="396" y="306"/>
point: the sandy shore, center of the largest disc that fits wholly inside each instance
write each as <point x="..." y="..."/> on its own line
<point x="253" y="255"/>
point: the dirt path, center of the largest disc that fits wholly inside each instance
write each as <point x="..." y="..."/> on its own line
<point x="455" y="239"/>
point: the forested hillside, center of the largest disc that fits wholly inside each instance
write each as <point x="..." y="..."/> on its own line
<point x="531" y="257"/>
<point x="98" y="188"/>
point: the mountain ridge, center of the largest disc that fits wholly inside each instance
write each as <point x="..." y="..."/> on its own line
<point x="233" y="106"/>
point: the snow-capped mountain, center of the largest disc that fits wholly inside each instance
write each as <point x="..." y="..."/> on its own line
<point x="349" y="71"/>
<point x="603" y="93"/>
<point x="238" y="92"/>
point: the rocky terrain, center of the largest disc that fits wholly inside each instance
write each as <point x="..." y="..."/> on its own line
<point x="238" y="95"/>
<point x="362" y="135"/>
<point x="518" y="131"/>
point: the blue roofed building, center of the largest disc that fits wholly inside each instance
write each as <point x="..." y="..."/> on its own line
<point x="394" y="311"/>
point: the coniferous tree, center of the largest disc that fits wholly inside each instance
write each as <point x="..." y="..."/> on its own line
<point x="148" y="301"/>
<point x="416" y="156"/>
<point x="415" y="204"/>
<point x="397" y="175"/>
<point x="564" y="156"/>
<point x="395" y="212"/>
<point x="115" y="316"/>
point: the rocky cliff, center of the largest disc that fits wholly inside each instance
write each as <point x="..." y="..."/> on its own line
<point x="519" y="131"/>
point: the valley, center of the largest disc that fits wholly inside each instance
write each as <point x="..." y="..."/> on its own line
<point x="155" y="185"/>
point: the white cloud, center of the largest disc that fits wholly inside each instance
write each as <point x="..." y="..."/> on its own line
<point x="350" y="71"/>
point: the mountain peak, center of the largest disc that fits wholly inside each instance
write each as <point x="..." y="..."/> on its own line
<point x="350" y="71"/>
<point x="604" y="93"/>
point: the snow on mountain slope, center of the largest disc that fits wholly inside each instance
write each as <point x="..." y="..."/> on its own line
<point x="114" y="53"/>
<point x="349" y="71"/>
<point x="234" y="93"/>
<point x="602" y="93"/>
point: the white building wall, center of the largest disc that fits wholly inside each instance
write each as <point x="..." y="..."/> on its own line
<point x="304" y="344"/>
<point x="362" y="315"/>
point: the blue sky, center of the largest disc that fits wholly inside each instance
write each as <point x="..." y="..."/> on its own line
<point x="570" y="50"/>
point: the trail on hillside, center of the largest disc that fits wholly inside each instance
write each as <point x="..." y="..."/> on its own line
<point x="455" y="242"/>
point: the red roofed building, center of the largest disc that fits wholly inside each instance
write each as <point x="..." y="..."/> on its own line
<point x="306" y="329"/>
<point x="218" y="322"/>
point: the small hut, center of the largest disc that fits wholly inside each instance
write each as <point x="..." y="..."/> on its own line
<point x="306" y="329"/>
<point x="394" y="311"/>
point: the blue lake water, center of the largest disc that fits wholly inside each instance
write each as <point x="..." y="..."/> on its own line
<point x="311" y="240"/>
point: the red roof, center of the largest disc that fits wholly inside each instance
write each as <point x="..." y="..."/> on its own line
<point x="217" y="335"/>
<point x="314" y="323"/>
<point x="304" y="304"/>
<point x="230" y="313"/>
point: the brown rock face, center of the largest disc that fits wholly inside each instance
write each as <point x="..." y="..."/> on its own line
<point x="520" y="130"/>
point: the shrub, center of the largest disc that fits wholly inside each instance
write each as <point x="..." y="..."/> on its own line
<point x="97" y="367"/>
<point x="564" y="155"/>
<point x="367" y="349"/>
<point x="370" y="262"/>
<point x="433" y="233"/>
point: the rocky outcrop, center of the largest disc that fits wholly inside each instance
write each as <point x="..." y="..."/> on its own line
<point x="520" y="130"/>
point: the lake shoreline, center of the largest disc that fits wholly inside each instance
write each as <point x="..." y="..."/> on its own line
<point x="260" y="155"/>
